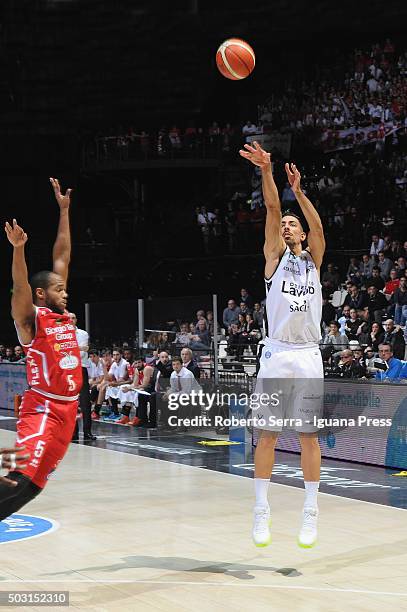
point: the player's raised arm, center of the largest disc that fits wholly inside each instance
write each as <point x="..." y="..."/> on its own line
<point x="315" y="238"/>
<point x="61" y="253"/>
<point x="22" y="308"/>
<point x="274" y="245"/>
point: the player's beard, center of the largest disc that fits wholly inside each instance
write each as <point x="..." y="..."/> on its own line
<point x="54" y="307"/>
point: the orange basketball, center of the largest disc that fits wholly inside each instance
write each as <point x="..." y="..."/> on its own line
<point x="235" y="59"/>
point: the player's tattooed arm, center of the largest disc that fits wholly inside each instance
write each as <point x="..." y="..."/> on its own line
<point x="22" y="308"/>
<point x="61" y="254"/>
<point x="315" y="238"/>
<point x="274" y="245"/>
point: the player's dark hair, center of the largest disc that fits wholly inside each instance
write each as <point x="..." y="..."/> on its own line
<point x="139" y="358"/>
<point x="176" y="359"/>
<point x="334" y="323"/>
<point x="40" y="280"/>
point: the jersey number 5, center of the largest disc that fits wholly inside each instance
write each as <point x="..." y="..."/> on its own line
<point x="71" y="382"/>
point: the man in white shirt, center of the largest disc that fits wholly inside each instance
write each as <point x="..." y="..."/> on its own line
<point x="95" y="373"/>
<point x="82" y="338"/>
<point x="377" y="245"/>
<point x="182" y="381"/>
<point x="116" y="376"/>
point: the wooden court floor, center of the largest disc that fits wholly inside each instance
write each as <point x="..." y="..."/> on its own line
<point x="146" y="535"/>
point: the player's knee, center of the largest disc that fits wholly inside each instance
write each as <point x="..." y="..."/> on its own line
<point x="268" y="439"/>
<point x="309" y="441"/>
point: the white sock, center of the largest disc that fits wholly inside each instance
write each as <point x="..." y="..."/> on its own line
<point x="311" y="492"/>
<point x="261" y="486"/>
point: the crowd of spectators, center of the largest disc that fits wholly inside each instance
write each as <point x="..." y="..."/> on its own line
<point x="9" y="354"/>
<point x="370" y="318"/>
<point x="371" y="90"/>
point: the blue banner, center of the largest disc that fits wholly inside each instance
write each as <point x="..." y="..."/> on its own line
<point x="13" y="381"/>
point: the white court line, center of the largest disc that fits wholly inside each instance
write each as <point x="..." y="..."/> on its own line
<point x="215" y="584"/>
<point x="211" y="471"/>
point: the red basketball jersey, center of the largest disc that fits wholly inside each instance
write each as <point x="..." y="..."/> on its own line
<point x="53" y="357"/>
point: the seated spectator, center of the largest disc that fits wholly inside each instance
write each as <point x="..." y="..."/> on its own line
<point x="334" y="342"/>
<point x="117" y="376"/>
<point x="393" y="335"/>
<point x="369" y="356"/>
<point x="344" y="318"/>
<point x="395" y="251"/>
<point x="9" y="355"/>
<point x="183" y="337"/>
<point x="244" y="309"/>
<point x="249" y="129"/>
<point x="392" y="283"/>
<point x="95" y="374"/>
<point x="246" y="299"/>
<point x="182" y="380"/>
<point x="211" y="324"/>
<point x="201" y="340"/>
<point x="235" y="344"/>
<point x="230" y="314"/>
<point x="19" y="356"/>
<point x="347" y="367"/>
<point x="366" y="267"/>
<point x="189" y="362"/>
<point x="375" y="280"/>
<point x="330" y="278"/>
<point x="377" y="304"/>
<point x="358" y="356"/>
<point x="352" y="324"/>
<point x="385" y="265"/>
<point x="258" y="315"/>
<point x="128" y="395"/>
<point x="353" y="268"/>
<point x="377" y="245"/>
<point x="399" y="300"/>
<point x="376" y="336"/>
<point x="400" y="266"/>
<point x="163" y="343"/>
<point x="164" y="368"/>
<point x="356" y="298"/>
<point x="397" y="369"/>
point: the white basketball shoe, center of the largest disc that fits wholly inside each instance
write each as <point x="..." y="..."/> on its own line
<point x="261" y="526"/>
<point x="308" y="534"/>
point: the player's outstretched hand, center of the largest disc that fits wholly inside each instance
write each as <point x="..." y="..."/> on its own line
<point x="293" y="176"/>
<point x="15" y="234"/>
<point x="11" y="459"/>
<point x="63" y="200"/>
<point x="255" y="154"/>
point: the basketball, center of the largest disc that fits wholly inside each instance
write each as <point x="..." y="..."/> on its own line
<point x="235" y="59"/>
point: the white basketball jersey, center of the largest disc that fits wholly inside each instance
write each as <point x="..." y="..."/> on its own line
<point x="294" y="300"/>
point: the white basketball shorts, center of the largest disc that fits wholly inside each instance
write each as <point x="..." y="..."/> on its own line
<point x="293" y="376"/>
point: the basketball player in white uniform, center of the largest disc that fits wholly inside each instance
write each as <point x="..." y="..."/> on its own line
<point x="294" y="306"/>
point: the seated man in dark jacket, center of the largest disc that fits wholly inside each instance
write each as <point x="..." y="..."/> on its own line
<point x="356" y="298"/>
<point x="377" y="304"/>
<point x="348" y="367"/>
<point x="393" y="335"/>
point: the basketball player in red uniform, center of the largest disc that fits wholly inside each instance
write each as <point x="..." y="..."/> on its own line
<point x="48" y="409"/>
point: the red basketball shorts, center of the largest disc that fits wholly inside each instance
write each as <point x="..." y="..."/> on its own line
<point x="45" y="428"/>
